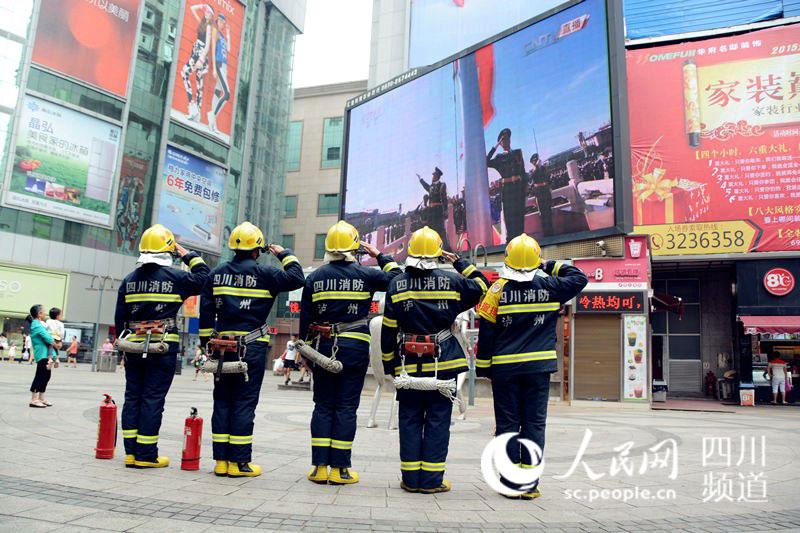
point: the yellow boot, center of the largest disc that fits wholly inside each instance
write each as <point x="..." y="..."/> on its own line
<point x="243" y="469"/>
<point x="318" y="474"/>
<point x="444" y="487"/>
<point x="342" y="476"/>
<point x="221" y="468"/>
<point x="129" y="460"/>
<point x="160" y="462"/>
<point x="535" y="493"/>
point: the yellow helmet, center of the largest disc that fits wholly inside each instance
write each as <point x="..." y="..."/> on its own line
<point x="523" y="253"/>
<point x="342" y="237"/>
<point x="245" y="237"/>
<point x="157" y="239"/>
<point x="425" y="242"/>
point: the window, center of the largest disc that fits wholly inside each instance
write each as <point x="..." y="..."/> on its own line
<point x="287" y="241"/>
<point x="332" y="135"/>
<point x="293" y="146"/>
<point x="328" y="204"/>
<point x="319" y="246"/>
<point x="290" y="206"/>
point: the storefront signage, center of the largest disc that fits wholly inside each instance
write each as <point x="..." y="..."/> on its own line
<point x="729" y="237"/>
<point x="628" y="273"/>
<point x="610" y="302"/>
<point x="634" y="369"/>
<point x="20" y="288"/>
<point x="779" y="281"/>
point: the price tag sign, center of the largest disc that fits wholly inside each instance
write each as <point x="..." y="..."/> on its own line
<point x="728" y="237"/>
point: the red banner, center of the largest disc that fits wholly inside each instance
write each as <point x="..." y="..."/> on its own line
<point x="715" y="126"/>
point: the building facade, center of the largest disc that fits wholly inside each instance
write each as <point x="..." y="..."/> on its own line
<point x="53" y="252"/>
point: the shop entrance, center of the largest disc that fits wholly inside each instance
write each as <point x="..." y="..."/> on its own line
<point x="597" y="359"/>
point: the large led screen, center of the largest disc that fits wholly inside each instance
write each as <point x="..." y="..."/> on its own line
<point x="514" y="137"/>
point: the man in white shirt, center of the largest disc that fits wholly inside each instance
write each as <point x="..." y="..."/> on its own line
<point x="290" y="358"/>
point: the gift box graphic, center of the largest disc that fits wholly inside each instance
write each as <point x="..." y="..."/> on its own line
<point x="660" y="200"/>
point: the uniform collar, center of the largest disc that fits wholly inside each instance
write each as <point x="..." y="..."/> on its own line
<point x="349" y="257"/>
<point x="422" y="263"/>
<point x="520" y="275"/>
<point x="163" y="259"/>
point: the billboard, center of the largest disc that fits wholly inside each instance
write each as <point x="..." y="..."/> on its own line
<point x="208" y="63"/>
<point x="130" y="201"/>
<point x="64" y="163"/>
<point x="514" y="137"/>
<point x="88" y="40"/>
<point x="439" y="29"/>
<point x="192" y="199"/>
<point x="715" y="126"/>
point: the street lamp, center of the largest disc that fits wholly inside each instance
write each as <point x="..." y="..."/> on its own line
<point x="98" y="283"/>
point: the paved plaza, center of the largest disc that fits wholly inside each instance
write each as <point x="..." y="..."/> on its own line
<point x="50" y="481"/>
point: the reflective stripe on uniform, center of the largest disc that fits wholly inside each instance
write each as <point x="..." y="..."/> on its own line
<point x="195" y="261"/>
<point x="220" y="437"/>
<point x="482" y="284"/>
<point x="340" y="295"/>
<point x="205" y="332"/>
<point x="152" y="297"/>
<point x="144" y="439"/>
<point x="224" y="290"/>
<point x="557" y="267"/>
<point x="356" y="335"/>
<point x="390" y="323"/>
<point x="528" y="308"/>
<point x="430" y="367"/>
<point x="410" y="465"/>
<point x="319" y="441"/>
<point x="388" y="356"/>
<point x="523" y="357"/>
<point x="341" y="444"/>
<point x="390" y="266"/>
<point x="469" y="270"/>
<point x="483" y="363"/>
<point x="289" y="259"/>
<point x="425" y="295"/>
<point x="129" y="433"/>
<point x="240" y="439"/>
<point x="432" y="467"/>
<point x="235" y="332"/>
<point x="155" y="337"/>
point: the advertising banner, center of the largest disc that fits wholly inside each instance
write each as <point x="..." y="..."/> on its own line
<point x="91" y="40"/>
<point x="64" y="163"/>
<point x="208" y="62"/>
<point x="130" y="201"/>
<point x="192" y="198"/>
<point x="634" y="370"/>
<point x="514" y="137"/>
<point x="715" y="126"/>
<point x="19" y="286"/>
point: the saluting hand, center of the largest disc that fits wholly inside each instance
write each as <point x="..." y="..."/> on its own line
<point x="451" y="257"/>
<point x="275" y="249"/>
<point x="180" y="250"/>
<point x="371" y="250"/>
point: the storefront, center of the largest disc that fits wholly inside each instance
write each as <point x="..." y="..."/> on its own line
<point x="768" y="315"/>
<point x="610" y="357"/>
<point x="21" y="288"/>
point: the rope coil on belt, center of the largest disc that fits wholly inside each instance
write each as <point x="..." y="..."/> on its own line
<point x="446" y="387"/>
<point x="331" y="364"/>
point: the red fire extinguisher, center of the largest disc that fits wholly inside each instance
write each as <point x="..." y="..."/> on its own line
<point x="107" y="429"/>
<point x="192" y="433"/>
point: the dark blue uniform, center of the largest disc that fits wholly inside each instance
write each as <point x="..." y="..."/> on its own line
<point x="152" y="292"/>
<point x="237" y="299"/>
<point x="426" y="302"/>
<point x="517" y="349"/>
<point x="340" y="292"/>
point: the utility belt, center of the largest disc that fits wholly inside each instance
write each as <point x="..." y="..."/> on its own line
<point x="512" y="179"/>
<point x="327" y="331"/>
<point x="236" y="345"/>
<point x="425" y="344"/>
<point x="147" y="336"/>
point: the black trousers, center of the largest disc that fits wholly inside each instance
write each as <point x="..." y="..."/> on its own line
<point x="235" y="402"/>
<point x="424" y="423"/>
<point x="520" y="406"/>
<point x="544" y="200"/>
<point x="333" y="423"/>
<point x="436" y="216"/>
<point x="41" y="378"/>
<point x="147" y="381"/>
<point x="514" y="196"/>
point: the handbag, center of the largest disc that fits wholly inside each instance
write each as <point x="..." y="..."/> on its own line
<point x="789" y="386"/>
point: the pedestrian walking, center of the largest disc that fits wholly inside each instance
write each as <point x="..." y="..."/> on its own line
<point x="776" y="370"/>
<point x="198" y="360"/>
<point x="72" y="352"/>
<point x="28" y="350"/>
<point x="41" y="341"/>
<point x="290" y="359"/>
<point x="12" y="352"/>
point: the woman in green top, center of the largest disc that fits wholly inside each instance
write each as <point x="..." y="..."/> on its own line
<point x="40" y="341"/>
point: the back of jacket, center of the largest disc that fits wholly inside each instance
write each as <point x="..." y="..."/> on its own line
<point x="426" y="302"/>
<point x="519" y="318"/>
<point x="239" y="294"/>
<point x="153" y="292"/>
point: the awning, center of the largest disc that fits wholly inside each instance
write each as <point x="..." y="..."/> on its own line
<point x="770" y="324"/>
<point x="666" y="302"/>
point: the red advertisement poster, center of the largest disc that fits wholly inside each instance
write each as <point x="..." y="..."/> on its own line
<point x="208" y="61"/>
<point x="91" y="40"/>
<point x="715" y="126"/>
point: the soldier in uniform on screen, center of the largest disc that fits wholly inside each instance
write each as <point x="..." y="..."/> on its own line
<point x="219" y="68"/>
<point x="544" y="197"/>
<point x="513" y="182"/>
<point x="436" y="210"/>
<point x="198" y="60"/>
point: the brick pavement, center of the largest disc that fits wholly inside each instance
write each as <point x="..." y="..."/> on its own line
<point x="50" y="481"/>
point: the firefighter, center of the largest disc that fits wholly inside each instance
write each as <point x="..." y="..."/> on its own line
<point x="517" y="344"/>
<point x="148" y="301"/>
<point x="421" y="307"/>
<point x="234" y="308"/>
<point x="333" y="319"/>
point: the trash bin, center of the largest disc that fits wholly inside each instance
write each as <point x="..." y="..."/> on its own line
<point x="659" y="391"/>
<point x="107" y="362"/>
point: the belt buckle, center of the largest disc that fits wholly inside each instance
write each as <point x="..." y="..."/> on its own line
<point x="224" y="343"/>
<point x="420" y="345"/>
<point x="323" y="330"/>
<point x="153" y="326"/>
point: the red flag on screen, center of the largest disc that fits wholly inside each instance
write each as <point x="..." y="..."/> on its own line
<point x="459" y="3"/>
<point x="484" y="57"/>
